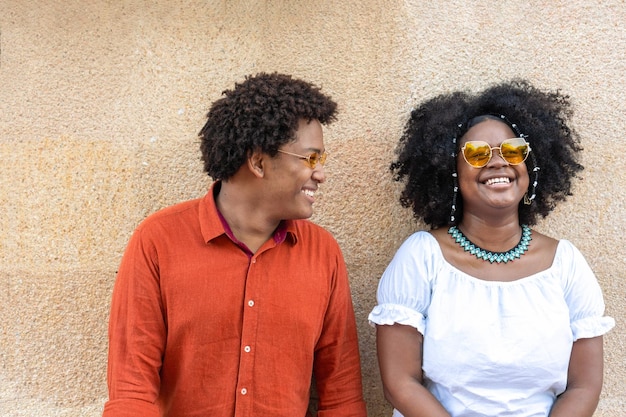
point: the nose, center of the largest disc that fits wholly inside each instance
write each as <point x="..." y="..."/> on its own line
<point x="496" y="158"/>
<point x="318" y="174"/>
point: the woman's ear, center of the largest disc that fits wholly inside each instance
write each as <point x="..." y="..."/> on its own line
<point x="256" y="162"/>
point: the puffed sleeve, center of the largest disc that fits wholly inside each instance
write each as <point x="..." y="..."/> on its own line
<point x="405" y="288"/>
<point x="583" y="295"/>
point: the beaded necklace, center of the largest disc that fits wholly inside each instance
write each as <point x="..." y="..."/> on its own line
<point x="492" y="257"/>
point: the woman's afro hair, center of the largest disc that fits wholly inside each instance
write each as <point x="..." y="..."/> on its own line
<point x="427" y="149"/>
<point x="260" y="113"/>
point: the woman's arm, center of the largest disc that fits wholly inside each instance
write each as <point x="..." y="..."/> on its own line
<point x="584" y="380"/>
<point x="400" y="361"/>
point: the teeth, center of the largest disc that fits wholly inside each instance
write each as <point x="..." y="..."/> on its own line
<point x="502" y="180"/>
<point x="308" y="192"/>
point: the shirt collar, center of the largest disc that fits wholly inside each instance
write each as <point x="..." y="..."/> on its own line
<point x="213" y="224"/>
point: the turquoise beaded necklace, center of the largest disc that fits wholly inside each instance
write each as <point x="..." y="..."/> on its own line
<point x="492" y="257"/>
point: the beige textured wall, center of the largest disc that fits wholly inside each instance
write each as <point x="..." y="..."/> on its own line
<point x="101" y="101"/>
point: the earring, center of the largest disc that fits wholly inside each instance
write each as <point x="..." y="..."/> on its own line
<point x="528" y="200"/>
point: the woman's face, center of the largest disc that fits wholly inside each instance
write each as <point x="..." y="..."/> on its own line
<point x="498" y="187"/>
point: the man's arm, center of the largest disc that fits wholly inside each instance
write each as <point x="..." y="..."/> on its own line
<point x="337" y="365"/>
<point x="136" y="335"/>
<point x="584" y="380"/>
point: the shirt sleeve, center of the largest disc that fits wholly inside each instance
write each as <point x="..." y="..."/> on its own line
<point x="404" y="290"/>
<point x="583" y="295"/>
<point x="136" y="333"/>
<point x="337" y="365"/>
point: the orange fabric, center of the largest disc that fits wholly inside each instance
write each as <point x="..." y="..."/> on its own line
<point x="198" y="328"/>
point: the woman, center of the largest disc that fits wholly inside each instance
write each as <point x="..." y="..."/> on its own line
<point x="482" y="315"/>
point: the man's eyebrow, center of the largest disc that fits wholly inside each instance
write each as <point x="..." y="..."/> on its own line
<point x="317" y="150"/>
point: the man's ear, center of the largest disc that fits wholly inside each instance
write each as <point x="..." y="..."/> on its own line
<point x="256" y="163"/>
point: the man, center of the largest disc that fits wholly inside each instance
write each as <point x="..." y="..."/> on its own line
<point x="227" y="305"/>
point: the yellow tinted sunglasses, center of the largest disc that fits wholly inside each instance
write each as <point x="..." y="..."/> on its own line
<point x="478" y="153"/>
<point x="311" y="160"/>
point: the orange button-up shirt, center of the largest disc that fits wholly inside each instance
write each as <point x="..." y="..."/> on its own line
<point x="199" y="327"/>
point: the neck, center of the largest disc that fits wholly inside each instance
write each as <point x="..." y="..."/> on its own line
<point x="241" y="210"/>
<point x="497" y="236"/>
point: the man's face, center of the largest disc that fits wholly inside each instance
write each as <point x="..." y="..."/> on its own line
<point x="293" y="181"/>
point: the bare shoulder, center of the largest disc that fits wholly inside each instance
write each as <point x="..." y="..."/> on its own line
<point x="442" y="236"/>
<point x="541" y="253"/>
<point x="543" y="243"/>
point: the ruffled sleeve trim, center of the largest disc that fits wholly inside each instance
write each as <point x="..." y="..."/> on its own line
<point x="591" y="327"/>
<point x="396" y="313"/>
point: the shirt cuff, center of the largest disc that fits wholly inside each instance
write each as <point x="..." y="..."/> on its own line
<point x="129" y="407"/>
<point x="356" y="409"/>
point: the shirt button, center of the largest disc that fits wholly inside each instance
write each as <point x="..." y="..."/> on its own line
<point x="244" y="391"/>
<point x="251" y="303"/>
<point x="253" y="260"/>
<point x="247" y="349"/>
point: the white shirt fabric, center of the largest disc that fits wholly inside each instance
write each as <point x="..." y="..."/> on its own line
<point x="492" y="348"/>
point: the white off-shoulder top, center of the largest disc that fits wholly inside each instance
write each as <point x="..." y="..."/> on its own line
<point x="492" y="348"/>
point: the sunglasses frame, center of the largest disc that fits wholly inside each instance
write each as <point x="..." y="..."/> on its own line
<point x="312" y="159"/>
<point x="499" y="148"/>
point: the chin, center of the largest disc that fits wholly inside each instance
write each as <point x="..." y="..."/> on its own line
<point x="306" y="215"/>
<point x="299" y="216"/>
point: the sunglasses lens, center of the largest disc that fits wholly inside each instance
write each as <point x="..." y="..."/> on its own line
<point x="514" y="151"/>
<point x="477" y="153"/>
<point x="316" y="158"/>
<point x="313" y="160"/>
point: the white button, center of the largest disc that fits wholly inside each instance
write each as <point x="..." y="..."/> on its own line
<point x="253" y="260"/>
<point x="247" y="349"/>
<point x="244" y="391"/>
<point x="251" y="303"/>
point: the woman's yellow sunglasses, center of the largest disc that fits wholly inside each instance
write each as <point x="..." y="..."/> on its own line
<point x="478" y="153"/>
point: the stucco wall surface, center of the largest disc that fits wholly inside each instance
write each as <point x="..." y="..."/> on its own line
<point x="101" y="102"/>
